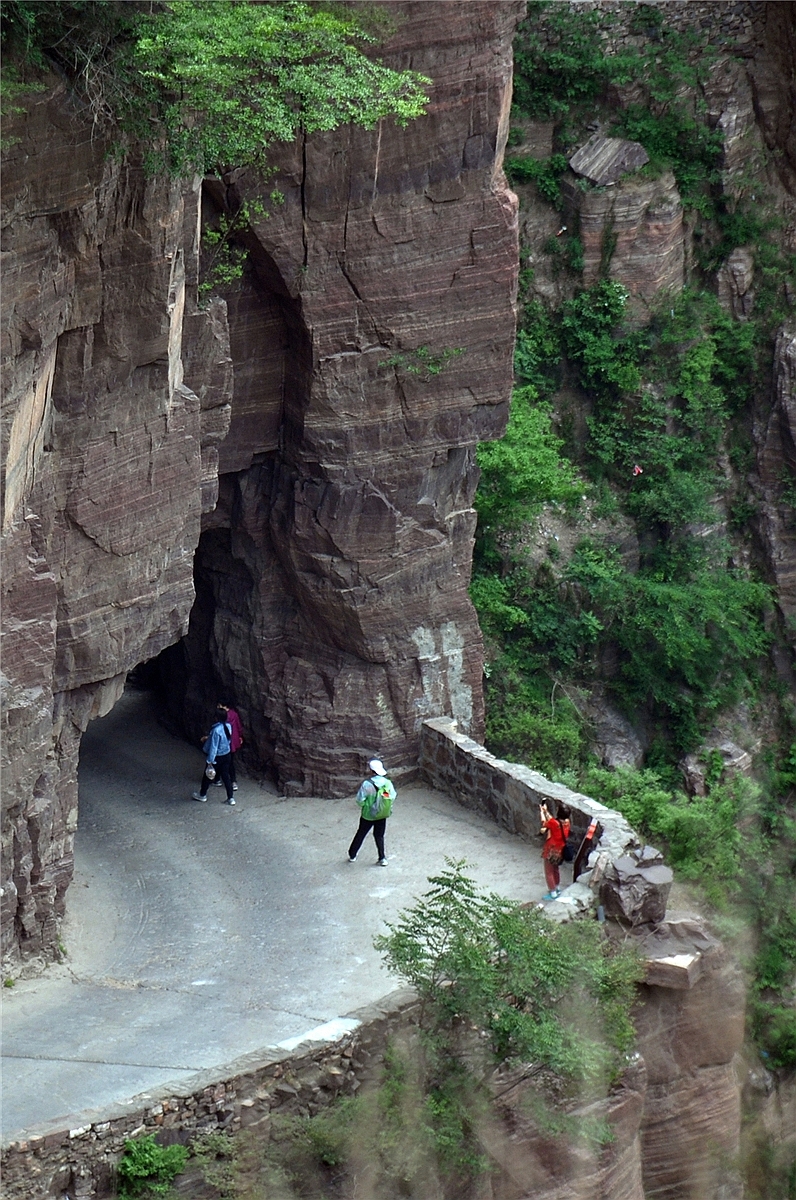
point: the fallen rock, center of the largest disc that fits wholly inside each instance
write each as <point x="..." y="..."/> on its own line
<point x="604" y="160"/>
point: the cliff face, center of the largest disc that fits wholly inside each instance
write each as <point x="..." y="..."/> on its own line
<point x="332" y="575"/>
<point x="102" y="471"/>
<point x="345" y="531"/>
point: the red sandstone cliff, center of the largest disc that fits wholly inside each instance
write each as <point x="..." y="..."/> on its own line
<point x="333" y="574"/>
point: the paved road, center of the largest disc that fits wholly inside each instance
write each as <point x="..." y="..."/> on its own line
<point x="198" y="932"/>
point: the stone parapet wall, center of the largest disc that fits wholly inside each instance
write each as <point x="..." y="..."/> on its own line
<point x="510" y="793"/>
<point x="724" y="23"/>
<point x="629" y="878"/>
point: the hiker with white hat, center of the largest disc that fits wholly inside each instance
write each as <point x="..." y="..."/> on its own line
<point x="375" y="798"/>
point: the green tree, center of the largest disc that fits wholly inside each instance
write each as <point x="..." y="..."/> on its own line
<point x="555" y="995"/>
<point x="525" y="468"/>
<point x="260" y="73"/>
<point x="210" y="84"/>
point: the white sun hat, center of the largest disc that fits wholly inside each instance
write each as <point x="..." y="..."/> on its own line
<point x="377" y="766"/>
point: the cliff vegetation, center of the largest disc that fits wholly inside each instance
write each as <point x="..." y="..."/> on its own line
<point x="617" y="554"/>
<point x="209" y="86"/>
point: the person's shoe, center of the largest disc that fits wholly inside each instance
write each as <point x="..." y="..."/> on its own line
<point x="198" y="796"/>
<point x="382" y="862"/>
<point x="352" y="858"/>
<point x="234" y="787"/>
<point x="551" y="895"/>
<point x="230" y="801"/>
<point x="219" y="783"/>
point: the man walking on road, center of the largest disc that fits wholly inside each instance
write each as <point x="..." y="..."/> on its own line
<point x="375" y="799"/>
<point x="217" y="751"/>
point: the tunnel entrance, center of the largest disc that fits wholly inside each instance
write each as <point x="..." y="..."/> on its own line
<point x="220" y="657"/>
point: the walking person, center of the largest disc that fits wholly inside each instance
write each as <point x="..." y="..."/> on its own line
<point x="557" y="830"/>
<point x="230" y="717"/>
<point x="375" y="799"/>
<point x="218" y="754"/>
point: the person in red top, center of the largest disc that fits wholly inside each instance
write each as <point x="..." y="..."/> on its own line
<point x="557" y="830"/>
<point x="235" y="742"/>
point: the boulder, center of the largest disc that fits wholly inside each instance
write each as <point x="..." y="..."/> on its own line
<point x="604" y="160"/>
<point x="635" y="888"/>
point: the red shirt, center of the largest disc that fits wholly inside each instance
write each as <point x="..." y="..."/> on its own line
<point x="557" y="834"/>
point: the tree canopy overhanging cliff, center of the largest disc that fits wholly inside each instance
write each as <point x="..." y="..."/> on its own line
<point x="211" y="83"/>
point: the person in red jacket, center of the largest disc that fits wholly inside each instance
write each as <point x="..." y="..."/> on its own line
<point x="557" y="830"/>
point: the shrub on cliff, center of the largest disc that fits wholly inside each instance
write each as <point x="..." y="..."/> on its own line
<point x="525" y="469"/>
<point x="502" y="984"/>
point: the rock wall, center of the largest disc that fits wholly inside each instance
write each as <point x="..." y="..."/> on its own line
<point x="103" y="466"/>
<point x="345" y="532"/>
<point x="331" y="577"/>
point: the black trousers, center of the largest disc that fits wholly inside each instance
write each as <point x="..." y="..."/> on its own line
<point x="223" y="763"/>
<point x="365" y="827"/>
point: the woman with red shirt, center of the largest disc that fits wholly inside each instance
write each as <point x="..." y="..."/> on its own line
<point x="557" y="830"/>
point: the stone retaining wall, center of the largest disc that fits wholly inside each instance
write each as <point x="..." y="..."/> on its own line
<point x="80" y="1162"/>
<point x="723" y="23"/>
<point x="629" y="878"/>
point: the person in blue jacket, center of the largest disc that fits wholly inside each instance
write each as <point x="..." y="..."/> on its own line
<point x="218" y="753"/>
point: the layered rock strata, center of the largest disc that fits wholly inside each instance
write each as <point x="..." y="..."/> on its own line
<point x="103" y="466"/>
<point x="372" y="339"/>
<point x="690" y="1022"/>
<point x="332" y="575"/>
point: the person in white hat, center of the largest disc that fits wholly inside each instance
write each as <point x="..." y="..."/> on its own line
<point x="375" y="799"/>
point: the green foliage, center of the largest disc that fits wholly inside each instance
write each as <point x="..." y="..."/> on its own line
<point x="562" y="63"/>
<point x="687" y="642"/>
<point x="147" y="1169"/>
<point x="675" y="139"/>
<point x="12" y="89"/>
<point x="555" y="995"/>
<point x="226" y="256"/>
<point x="253" y="74"/>
<point x="537" y="352"/>
<point x="559" y="60"/>
<point x="423" y="361"/>
<point x="545" y="173"/>
<point x="663" y="397"/>
<point x="701" y="834"/>
<point x="774" y="1028"/>
<point x="324" y="1139"/>
<point x="524" y="469"/>
<point x="260" y="74"/>
<point x="590" y="322"/>
<point x="531" y="718"/>
<point x="215" y="1153"/>
<point x="566" y="252"/>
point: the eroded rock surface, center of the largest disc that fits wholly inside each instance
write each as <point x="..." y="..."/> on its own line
<point x="102" y="471"/>
<point x="690" y="1030"/>
<point x="372" y="344"/>
<point x="332" y="574"/>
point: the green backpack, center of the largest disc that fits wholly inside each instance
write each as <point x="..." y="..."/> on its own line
<point x="378" y="807"/>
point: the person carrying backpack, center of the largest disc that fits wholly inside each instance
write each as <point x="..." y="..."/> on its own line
<point x="375" y="799"/>
<point x="230" y="718"/>
<point x="218" y="755"/>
